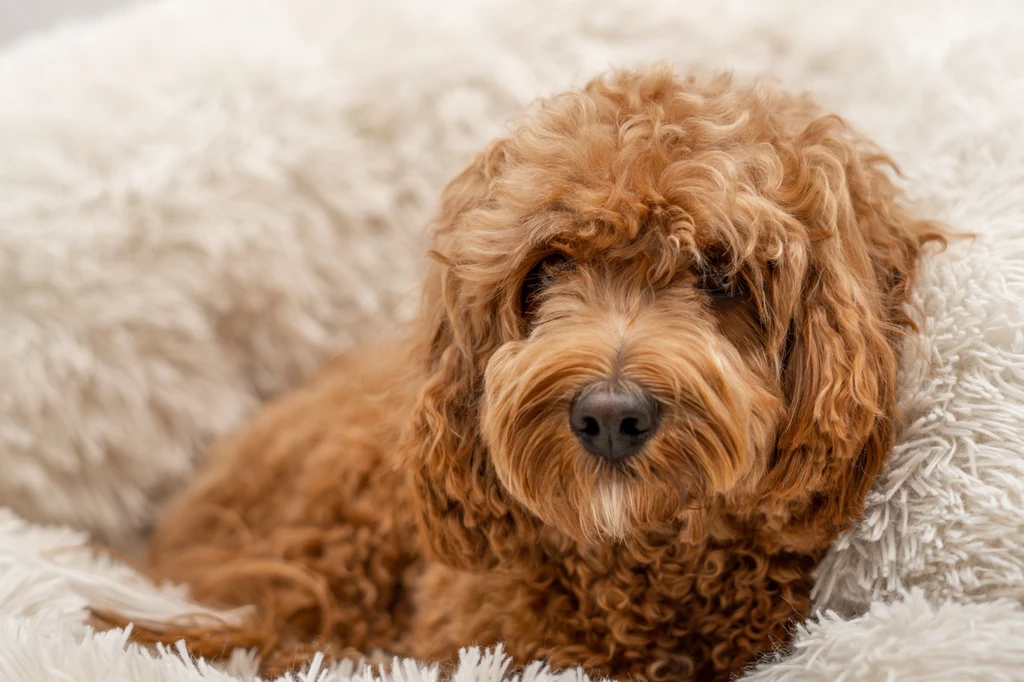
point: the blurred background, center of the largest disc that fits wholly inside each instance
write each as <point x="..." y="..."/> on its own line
<point x="18" y="17"/>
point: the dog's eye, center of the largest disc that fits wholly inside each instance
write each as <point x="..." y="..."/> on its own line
<point x="541" y="276"/>
<point x="721" y="284"/>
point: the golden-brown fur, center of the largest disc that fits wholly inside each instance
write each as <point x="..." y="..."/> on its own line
<point x="737" y="252"/>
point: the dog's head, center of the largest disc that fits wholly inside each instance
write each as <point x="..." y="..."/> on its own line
<point x="656" y="302"/>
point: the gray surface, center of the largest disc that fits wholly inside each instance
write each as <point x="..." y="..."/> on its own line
<point x="22" y="17"/>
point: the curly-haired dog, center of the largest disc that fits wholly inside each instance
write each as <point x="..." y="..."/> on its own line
<point x="655" y="378"/>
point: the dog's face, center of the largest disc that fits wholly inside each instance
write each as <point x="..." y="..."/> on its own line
<point x="643" y="375"/>
<point x="657" y="299"/>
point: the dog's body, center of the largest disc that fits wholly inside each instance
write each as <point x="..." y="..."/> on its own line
<point x="654" y="379"/>
<point x="322" y="516"/>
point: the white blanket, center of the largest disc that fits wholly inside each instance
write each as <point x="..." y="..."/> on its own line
<point x="240" y="185"/>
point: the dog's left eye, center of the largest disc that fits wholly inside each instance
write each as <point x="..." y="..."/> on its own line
<point x="542" y="275"/>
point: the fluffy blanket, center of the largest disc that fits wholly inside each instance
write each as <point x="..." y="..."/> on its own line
<point x="201" y="200"/>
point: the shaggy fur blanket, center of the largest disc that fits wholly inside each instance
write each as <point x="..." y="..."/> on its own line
<point x="201" y="200"/>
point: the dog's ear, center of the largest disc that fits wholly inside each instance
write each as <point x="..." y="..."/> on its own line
<point x="465" y="515"/>
<point x="847" y="326"/>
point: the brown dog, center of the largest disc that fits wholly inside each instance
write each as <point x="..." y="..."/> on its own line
<point x="654" y="379"/>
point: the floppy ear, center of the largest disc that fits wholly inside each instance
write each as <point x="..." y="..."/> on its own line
<point x="465" y="515"/>
<point x="849" y="321"/>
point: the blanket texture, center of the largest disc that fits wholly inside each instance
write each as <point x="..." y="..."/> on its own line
<point x="201" y="200"/>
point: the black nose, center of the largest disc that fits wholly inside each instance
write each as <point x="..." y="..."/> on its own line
<point x="613" y="422"/>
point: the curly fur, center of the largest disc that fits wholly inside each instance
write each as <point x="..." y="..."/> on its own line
<point x="430" y="495"/>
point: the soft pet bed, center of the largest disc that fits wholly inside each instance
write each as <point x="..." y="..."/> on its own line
<point x="202" y="200"/>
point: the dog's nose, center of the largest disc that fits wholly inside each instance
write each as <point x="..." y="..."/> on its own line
<point x="612" y="422"/>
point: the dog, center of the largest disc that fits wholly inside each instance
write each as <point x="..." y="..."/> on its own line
<point x="652" y="379"/>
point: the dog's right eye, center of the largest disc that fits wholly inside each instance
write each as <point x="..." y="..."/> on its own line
<point x="719" y="281"/>
<point x="542" y="275"/>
